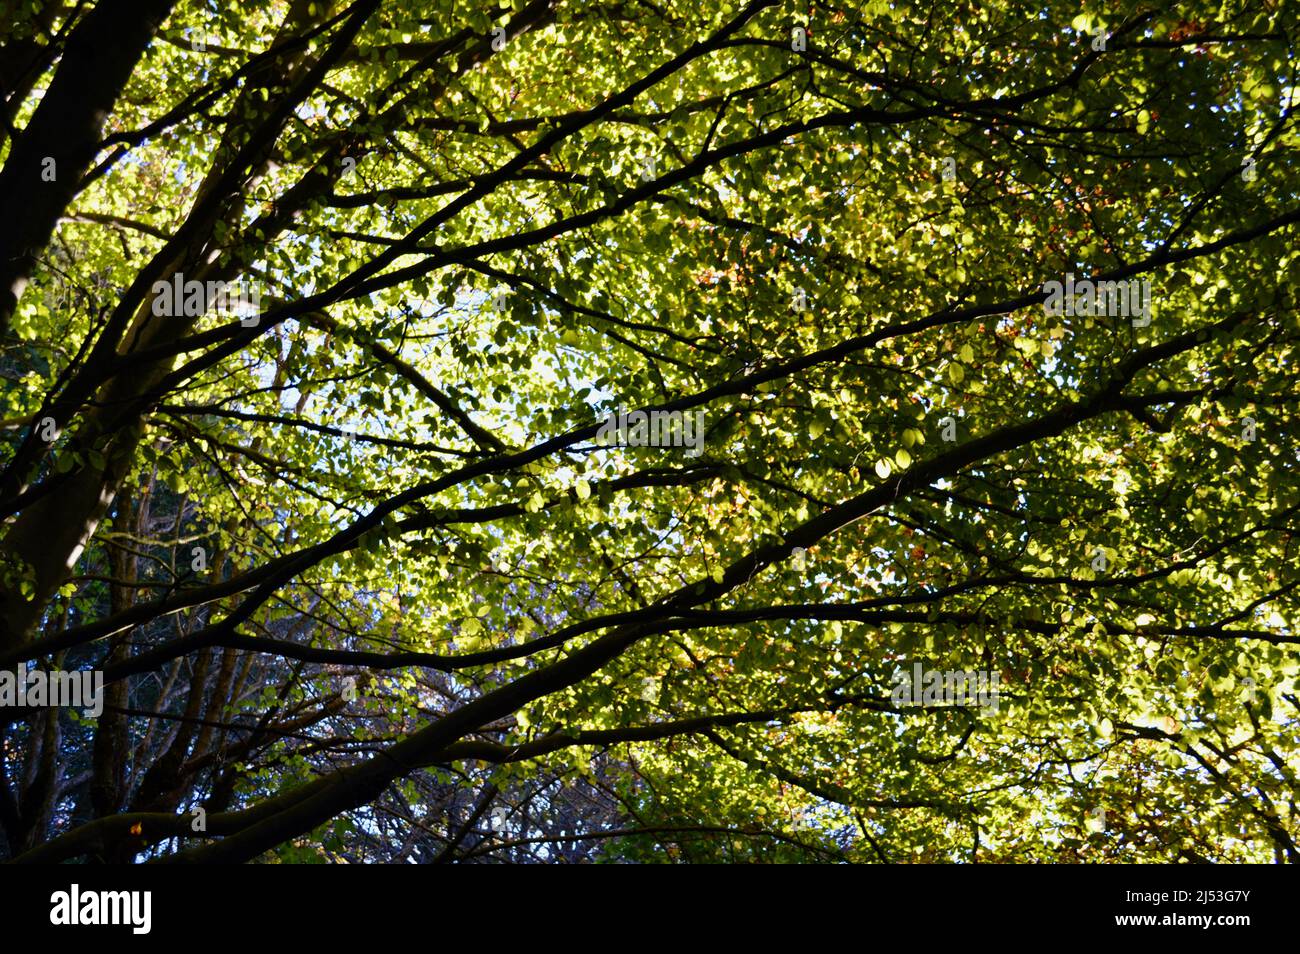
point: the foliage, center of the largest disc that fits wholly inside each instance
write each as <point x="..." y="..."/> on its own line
<point x="362" y="581"/>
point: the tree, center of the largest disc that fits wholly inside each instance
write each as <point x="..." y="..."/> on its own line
<point x="563" y="431"/>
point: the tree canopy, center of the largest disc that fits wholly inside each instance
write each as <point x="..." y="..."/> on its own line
<point x="311" y="317"/>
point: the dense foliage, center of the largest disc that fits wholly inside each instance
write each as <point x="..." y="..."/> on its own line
<point x="364" y="584"/>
